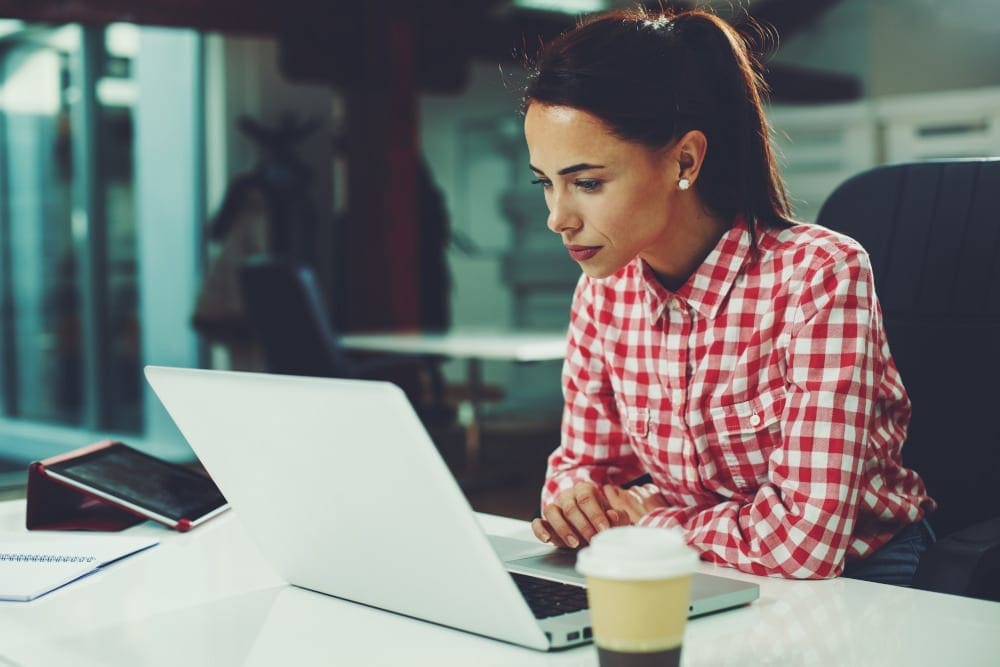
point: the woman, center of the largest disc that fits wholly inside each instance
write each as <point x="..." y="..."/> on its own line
<point x="735" y="357"/>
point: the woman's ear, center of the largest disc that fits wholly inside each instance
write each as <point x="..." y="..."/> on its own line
<point x="689" y="151"/>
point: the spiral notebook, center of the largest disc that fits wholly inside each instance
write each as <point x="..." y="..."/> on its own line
<point x="33" y="565"/>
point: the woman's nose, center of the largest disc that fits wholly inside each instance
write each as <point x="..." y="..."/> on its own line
<point x="561" y="216"/>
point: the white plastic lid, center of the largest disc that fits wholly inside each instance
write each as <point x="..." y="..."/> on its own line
<point x="637" y="552"/>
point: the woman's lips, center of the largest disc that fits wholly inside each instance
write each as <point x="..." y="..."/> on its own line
<point x="582" y="252"/>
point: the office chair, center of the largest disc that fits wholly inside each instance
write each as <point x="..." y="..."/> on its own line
<point x="932" y="230"/>
<point x="287" y="313"/>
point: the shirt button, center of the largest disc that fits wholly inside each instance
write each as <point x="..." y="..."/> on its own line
<point x="755" y="419"/>
<point x="675" y="304"/>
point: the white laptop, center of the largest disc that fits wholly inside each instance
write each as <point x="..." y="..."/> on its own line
<point x="345" y="493"/>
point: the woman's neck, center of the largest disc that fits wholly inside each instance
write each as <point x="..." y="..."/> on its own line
<point x="685" y="246"/>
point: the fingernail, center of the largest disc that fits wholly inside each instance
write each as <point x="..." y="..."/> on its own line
<point x="545" y="537"/>
<point x="601" y="526"/>
<point x="572" y="542"/>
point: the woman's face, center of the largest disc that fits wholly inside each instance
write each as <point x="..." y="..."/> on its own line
<point x="610" y="200"/>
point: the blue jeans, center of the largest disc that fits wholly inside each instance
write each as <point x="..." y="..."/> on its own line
<point x="896" y="562"/>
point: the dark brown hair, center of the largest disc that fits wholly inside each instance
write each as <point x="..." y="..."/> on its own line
<point x="652" y="76"/>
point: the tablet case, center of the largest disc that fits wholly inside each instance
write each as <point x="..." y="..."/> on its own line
<point x="53" y="505"/>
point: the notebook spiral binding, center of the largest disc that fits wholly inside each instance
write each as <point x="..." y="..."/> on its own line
<point x="44" y="558"/>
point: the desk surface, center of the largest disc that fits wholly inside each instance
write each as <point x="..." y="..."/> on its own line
<point x="208" y="598"/>
<point x="469" y="343"/>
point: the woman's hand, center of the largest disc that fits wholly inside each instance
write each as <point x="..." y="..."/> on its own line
<point x="575" y="516"/>
<point x="635" y="502"/>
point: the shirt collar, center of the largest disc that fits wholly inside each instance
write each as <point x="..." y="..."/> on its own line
<point x="707" y="288"/>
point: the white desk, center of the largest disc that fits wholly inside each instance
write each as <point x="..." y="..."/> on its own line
<point x="207" y="598"/>
<point x="470" y="344"/>
<point x="475" y="346"/>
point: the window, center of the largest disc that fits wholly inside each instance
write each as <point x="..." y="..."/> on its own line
<point x="82" y="159"/>
<point x="69" y="330"/>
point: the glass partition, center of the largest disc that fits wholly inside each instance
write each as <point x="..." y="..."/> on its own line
<point x="70" y="334"/>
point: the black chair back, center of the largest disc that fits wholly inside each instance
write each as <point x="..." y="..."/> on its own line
<point x="287" y="312"/>
<point x="932" y="230"/>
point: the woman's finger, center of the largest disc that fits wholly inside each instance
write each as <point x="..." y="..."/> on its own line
<point x="560" y="527"/>
<point x="634" y="504"/>
<point x="592" y="504"/>
<point x="615" y="497"/>
<point x="619" y="518"/>
<point x="574" y="515"/>
<point x="543" y="531"/>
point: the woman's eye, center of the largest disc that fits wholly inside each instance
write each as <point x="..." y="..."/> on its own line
<point x="587" y="184"/>
<point x="544" y="182"/>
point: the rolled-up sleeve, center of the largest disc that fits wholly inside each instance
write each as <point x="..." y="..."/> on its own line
<point x="593" y="446"/>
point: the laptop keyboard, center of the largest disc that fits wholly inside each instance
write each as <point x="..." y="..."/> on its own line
<point x="550" y="598"/>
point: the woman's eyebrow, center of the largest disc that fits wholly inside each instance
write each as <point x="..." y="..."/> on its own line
<point x="583" y="166"/>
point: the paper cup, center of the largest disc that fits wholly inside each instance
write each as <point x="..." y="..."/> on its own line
<point x="639" y="590"/>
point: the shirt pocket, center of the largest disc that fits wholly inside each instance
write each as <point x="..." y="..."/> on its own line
<point x="741" y="436"/>
<point x="634" y="420"/>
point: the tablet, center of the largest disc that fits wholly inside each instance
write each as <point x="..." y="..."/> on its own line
<point x="153" y="488"/>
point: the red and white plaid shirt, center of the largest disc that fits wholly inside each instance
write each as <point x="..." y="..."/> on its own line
<point x="761" y="397"/>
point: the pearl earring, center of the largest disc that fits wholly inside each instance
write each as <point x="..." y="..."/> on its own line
<point x="684" y="184"/>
